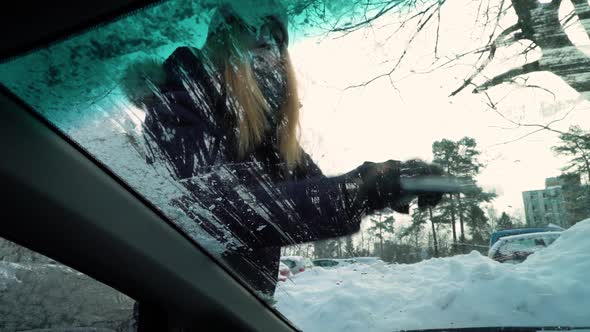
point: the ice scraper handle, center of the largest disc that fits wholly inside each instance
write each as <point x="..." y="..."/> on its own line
<point x="436" y="183"/>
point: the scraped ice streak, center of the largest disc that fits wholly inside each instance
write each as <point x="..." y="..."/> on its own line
<point x="550" y="288"/>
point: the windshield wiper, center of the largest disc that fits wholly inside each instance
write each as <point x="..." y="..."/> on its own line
<point x="506" y="329"/>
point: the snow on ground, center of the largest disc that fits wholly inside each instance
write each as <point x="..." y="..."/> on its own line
<point x="550" y="288"/>
<point x="51" y="296"/>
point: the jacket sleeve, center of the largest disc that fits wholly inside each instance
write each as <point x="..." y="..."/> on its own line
<point x="312" y="209"/>
<point x="266" y="213"/>
<point x="238" y="202"/>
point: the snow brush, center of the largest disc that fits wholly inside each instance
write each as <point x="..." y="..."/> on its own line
<point x="430" y="188"/>
<point x="426" y="184"/>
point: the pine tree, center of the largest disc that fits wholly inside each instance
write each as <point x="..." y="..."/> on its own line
<point x="476" y="219"/>
<point x="326" y="248"/>
<point x="349" y="247"/>
<point x="575" y="143"/>
<point x="505" y="222"/>
<point x="421" y="217"/>
<point x="479" y="229"/>
<point x="414" y="232"/>
<point x="492" y="215"/>
<point x="459" y="159"/>
<point x="381" y="228"/>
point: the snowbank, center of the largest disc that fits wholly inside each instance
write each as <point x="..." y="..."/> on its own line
<point x="550" y="288"/>
<point x="41" y="296"/>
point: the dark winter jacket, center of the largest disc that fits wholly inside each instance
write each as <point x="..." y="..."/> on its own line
<point x="253" y="205"/>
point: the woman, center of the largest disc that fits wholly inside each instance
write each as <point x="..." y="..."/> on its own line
<point x="224" y="119"/>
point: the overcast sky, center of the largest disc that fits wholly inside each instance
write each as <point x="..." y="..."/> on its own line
<point x="341" y="127"/>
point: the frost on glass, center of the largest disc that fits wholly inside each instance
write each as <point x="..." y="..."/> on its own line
<point x="495" y="92"/>
<point x="76" y="85"/>
<point x="113" y="90"/>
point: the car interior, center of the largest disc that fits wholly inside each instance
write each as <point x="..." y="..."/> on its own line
<point x="62" y="203"/>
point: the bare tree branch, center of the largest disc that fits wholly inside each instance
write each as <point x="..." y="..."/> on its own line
<point x="389" y="6"/>
<point x="493" y="47"/>
<point x="437" y="33"/>
<point x="538" y="23"/>
<point x="425" y="16"/>
<point x="540" y="127"/>
<point x="509" y="76"/>
<point x="518" y="138"/>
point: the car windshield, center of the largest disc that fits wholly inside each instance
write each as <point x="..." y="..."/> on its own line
<point x="406" y="133"/>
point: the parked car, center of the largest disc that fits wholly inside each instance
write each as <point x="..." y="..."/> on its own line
<point x="284" y="272"/>
<point x="516" y="231"/>
<point x="368" y="260"/>
<point x="516" y="248"/>
<point x="296" y="264"/>
<point x="332" y="262"/>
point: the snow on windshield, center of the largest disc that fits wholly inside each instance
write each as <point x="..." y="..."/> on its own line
<point x="548" y="289"/>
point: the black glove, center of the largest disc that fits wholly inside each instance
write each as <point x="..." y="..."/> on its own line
<point x="380" y="184"/>
<point x="417" y="168"/>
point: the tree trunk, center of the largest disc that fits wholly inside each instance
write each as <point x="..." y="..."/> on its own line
<point x="381" y="241"/>
<point x="434" y="241"/>
<point x="461" y="223"/>
<point x="362" y="240"/>
<point x="453" y="222"/>
<point x="539" y="23"/>
<point x="587" y="169"/>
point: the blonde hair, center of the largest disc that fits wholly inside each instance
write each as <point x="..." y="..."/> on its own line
<point x="248" y="102"/>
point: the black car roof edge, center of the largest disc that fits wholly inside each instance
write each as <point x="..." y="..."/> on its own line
<point x="65" y="27"/>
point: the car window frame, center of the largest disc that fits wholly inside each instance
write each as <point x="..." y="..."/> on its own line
<point x="67" y="191"/>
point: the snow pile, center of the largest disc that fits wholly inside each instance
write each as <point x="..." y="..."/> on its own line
<point x="54" y="297"/>
<point x="550" y="288"/>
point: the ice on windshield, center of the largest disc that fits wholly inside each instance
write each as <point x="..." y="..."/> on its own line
<point x="400" y="134"/>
